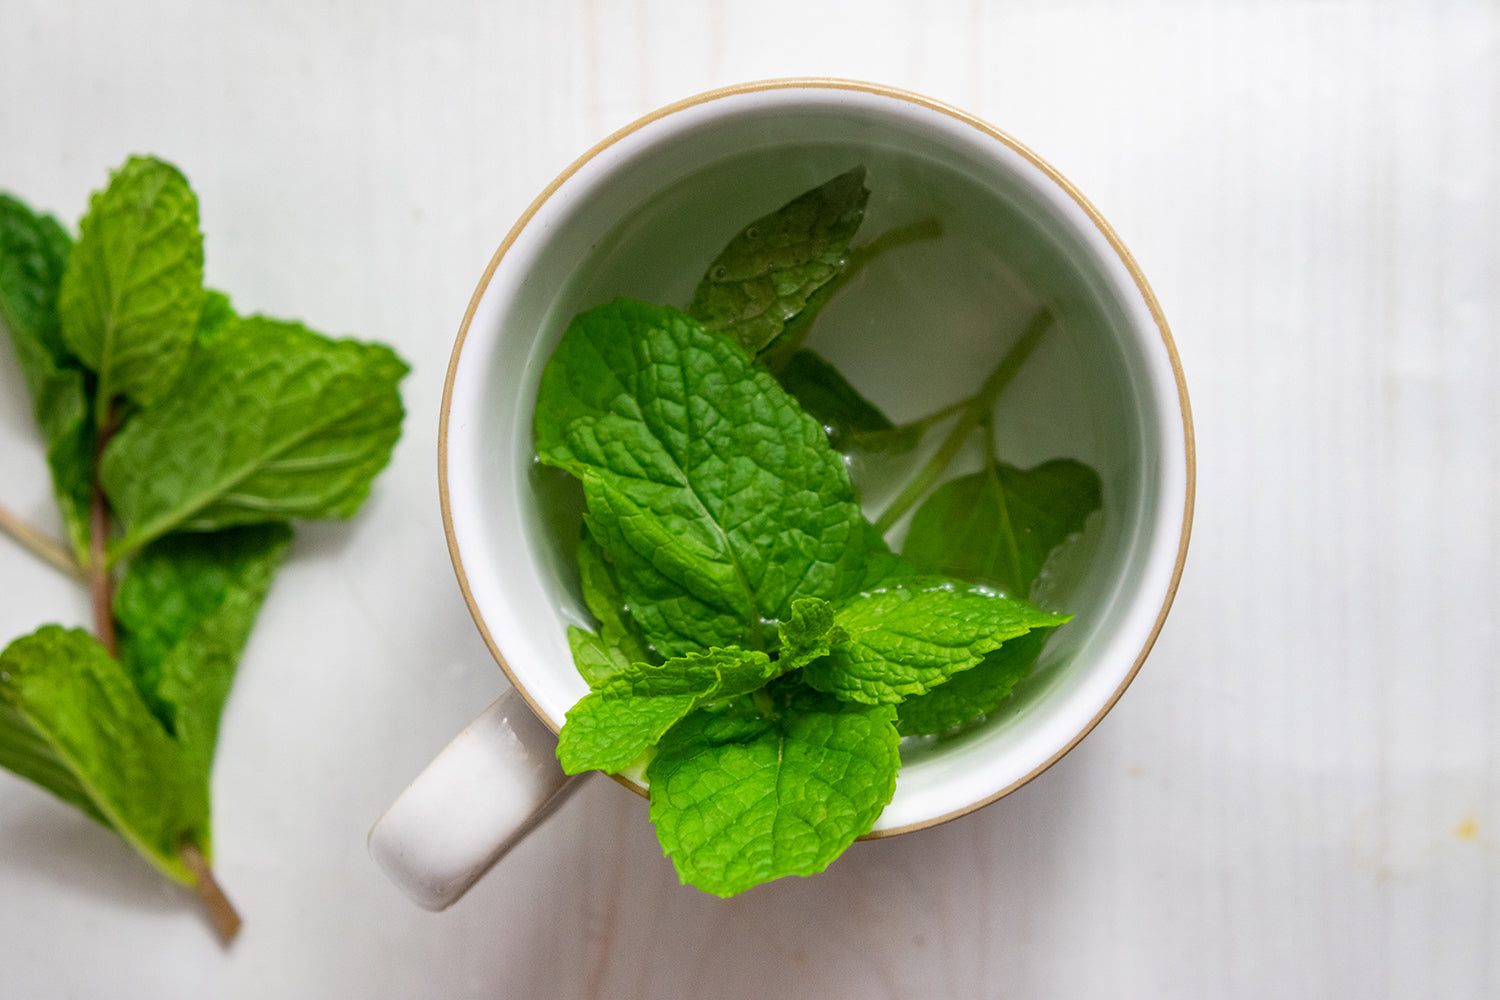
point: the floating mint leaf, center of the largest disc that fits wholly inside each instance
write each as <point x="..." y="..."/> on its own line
<point x="739" y="799"/>
<point x="133" y="290"/>
<point x="631" y="709"/>
<point x="771" y="268"/>
<point x="718" y="499"/>
<point x="909" y="638"/>
<point x="999" y="525"/>
<point x="271" y="421"/>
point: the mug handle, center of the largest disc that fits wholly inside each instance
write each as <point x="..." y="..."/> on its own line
<point x="479" y="797"/>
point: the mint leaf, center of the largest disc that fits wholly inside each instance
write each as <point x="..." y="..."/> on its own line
<point x="975" y="692"/>
<point x="215" y="317"/>
<point x="807" y="634"/>
<point x="184" y="610"/>
<point x="131" y="296"/>
<point x="739" y="800"/>
<point x="999" y="525"/>
<point x="605" y="600"/>
<point x="829" y="398"/>
<point x="34" y="251"/>
<point x="771" y="268"/>
<point x="909" y="638"/>
<point x="776" y="355"/>
<point x="595" y="658"/>
<point x="74" y="723"/>
<point x="270" y="421"/>
<point x="612" y="726"/>
<point x="718" y="499"/>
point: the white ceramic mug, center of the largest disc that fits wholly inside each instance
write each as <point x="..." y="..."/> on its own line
<point x="640" y="215"/>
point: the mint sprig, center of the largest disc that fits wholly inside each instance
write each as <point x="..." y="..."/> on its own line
<point x="759" y="647"/>
<point x="182" y="439"/>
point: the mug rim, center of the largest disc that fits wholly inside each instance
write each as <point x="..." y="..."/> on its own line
<point x="1113" y="240"/>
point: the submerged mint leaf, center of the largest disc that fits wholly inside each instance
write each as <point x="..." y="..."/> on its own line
<point x="739" y="799"/>
<point x="184" y="610"/>
<point x="907" y="639"/>
<point x="271" y="421"/>
<point x="629" y="712"/>
<point x="975" y="692"/>
<point x="999" y="525"/>
<point x="718" y="499"/>
<point x="74" y="723"/>
<point x="595" y="658"/>
<point x="825" y="394"/>
<point x="131" y="296"/>
<point x="34" y="252"/>
<point x="606" y="602"/>
<point x="771" y="268"/>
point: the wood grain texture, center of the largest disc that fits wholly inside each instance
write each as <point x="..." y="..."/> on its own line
<point x="1298" y="797"/>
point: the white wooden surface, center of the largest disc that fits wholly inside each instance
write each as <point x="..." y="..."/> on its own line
<point x="1300" y="795"/>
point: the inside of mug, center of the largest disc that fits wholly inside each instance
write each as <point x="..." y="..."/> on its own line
<point x="920" y="328"/>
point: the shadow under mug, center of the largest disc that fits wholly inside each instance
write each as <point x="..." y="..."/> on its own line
<point x="640" y="215"/>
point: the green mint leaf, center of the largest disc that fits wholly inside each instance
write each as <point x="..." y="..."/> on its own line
<point x="768" y="272"/>
<point x="973" y="693"/>
<point x="34" y="252"/>
<point x="807" y="634"/>
<point x="216" y="316"/>
<point x="907" y="639"/>
<point x="612" y="726"/>
<point x="131" y="296"/>
<point x="270" y="421"/>
<point x="184" y="610"/>
<point x="999" y="525"/>
<point x="718" y="499"/>
<point x="741" y="799"/>
<point x="825" y="394"/>
<point x="596" y="659"/>
<point x="74" y="723"/>
<point x="776" y="355"/>
<point x="606" y="601"/>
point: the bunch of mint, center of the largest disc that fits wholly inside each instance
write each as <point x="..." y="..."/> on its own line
<point x="759" y="647"/>
<point x="182" y="438"/>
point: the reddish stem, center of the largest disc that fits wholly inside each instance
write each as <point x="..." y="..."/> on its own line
<point x="221" y="912"/>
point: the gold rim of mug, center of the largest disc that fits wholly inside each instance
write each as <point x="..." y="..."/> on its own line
<point x="825" y="83"/>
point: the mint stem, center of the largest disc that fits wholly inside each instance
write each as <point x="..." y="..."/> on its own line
<point x="977" y="409"/>
<point x="922" y="424"/>
<point x="927" y="229"/>
<point x="221" y="912"/>
<point x="40" y="544"/>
